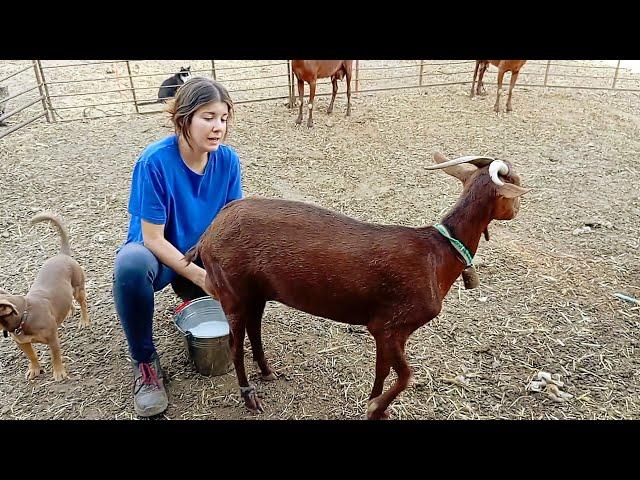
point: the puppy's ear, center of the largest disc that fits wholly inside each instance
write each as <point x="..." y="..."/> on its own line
<point x="7" y="308"/>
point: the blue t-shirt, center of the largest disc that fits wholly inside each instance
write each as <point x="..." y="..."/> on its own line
<point x="165" y="191"/>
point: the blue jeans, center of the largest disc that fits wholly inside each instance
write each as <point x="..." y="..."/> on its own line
<point x="137" y="275"/>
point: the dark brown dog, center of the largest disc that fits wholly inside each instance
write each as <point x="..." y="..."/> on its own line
<point x="36" y="316"/>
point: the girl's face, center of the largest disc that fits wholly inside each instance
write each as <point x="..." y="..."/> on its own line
<point x="208" y="126"/>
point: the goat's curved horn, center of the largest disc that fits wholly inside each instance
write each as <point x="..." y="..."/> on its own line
<point x="496" y="167"/>
<point x="478" y="161"/>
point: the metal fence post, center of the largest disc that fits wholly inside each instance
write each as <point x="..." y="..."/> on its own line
<point x="421" y="70"/>
<point x="46" y="91"/>
<point x="546" y="72"/>
<point x="615" y="77"/>
<point x="290" y="79"/>
<point x="40" y="82"/>
<point x="133" y="90"/>
<point x="213" y="69"/>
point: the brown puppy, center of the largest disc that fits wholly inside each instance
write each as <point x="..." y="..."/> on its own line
<point x="36" y="316"/>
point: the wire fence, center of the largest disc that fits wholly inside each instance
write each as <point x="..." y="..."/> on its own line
<point x="62" y="91"/>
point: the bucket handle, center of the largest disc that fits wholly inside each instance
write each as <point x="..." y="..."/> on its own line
<point x="181" y="306"/>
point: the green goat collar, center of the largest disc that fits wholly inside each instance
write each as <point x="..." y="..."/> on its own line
<point x="457" y="244"/>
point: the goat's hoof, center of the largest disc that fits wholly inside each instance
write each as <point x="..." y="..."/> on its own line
<point x="269" y="377"/>
<point x="375" y="415"/>
<point x="251" y="400"/>
<point x="374" y="412"/>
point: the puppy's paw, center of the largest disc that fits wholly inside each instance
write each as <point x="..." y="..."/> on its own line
<point x="32" y="372"/>
<point x="60" y="374"/>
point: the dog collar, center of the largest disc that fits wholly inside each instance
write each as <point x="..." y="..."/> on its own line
<point x="457" y="244"/>
<point x="23" y="318"/>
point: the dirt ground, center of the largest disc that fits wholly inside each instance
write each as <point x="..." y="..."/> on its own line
<point x="546" y="300"/>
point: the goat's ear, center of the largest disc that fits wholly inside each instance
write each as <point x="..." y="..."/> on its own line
<point x="439" y="158"/>
<point x="7" y="308"/>
<point x="510" y="190"/>
<point x="462" y="171"/>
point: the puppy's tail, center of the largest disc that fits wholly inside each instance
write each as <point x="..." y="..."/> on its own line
<point x="65" y="248"/>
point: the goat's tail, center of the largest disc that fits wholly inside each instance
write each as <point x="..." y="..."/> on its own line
<point x="65" y="248"/>
<point x="217" y="281"/>
<point x="193" y="253"/>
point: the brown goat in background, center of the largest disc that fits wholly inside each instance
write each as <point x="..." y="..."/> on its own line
<point x="310" y="70"/>
<point x="392" y="279"/>
<point x="504" y="66"/>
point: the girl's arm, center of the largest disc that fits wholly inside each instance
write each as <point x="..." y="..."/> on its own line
<point x="153" y="237"/>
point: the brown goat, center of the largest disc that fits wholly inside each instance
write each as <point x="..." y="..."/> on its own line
<point x="504" y="66"/>
<point x="392" y="279"/>
<point x="310" y="70"/>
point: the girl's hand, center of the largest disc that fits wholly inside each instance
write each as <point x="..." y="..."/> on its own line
<point x="201" y="281"/>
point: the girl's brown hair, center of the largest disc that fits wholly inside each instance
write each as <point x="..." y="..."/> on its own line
<point x="191" y="96"/>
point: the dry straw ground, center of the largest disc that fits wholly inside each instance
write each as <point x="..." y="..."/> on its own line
<point x="546" y="299"/>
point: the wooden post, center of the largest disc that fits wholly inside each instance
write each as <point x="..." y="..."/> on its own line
<point x="40" y="83"/>
<point x="615" y="77"/>
<point x="46" y="91"/>
<point x="421" y="70"/>
<point x="357" y="71"/>
<point x="133" y="90"/>
<point x="546" y="72"/>
<point x="213" y="69"/>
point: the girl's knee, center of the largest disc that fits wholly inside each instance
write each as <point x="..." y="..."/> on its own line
<point x="135" y="263"/>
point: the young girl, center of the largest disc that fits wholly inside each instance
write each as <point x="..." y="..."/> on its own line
<point x="179" y="185"/>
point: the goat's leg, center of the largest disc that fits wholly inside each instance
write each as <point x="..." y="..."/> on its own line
<point x="334" y="81"/>
<point x="480" y="87"/>
<point x="237" y="322"/>
<point x="312" y="94"/>
<point x="301" y="99"/>
<point x="254" y="327"/>
<point x="382" y="368"/>
<point x="514" y="77"/>
<point x="496" y="107"/>
<point x="348" y="93"/>
<point x="475" y="73"/>
<point x="394" y="351"/>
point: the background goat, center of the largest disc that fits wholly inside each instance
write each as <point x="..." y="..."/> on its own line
<point x="392" y="279"/>
<point x="310" y="70"/>
<point x="504" y="66"/>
